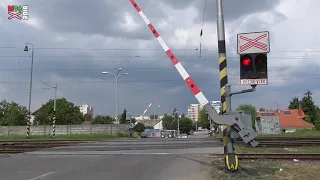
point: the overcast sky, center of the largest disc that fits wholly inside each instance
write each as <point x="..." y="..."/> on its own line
<point x="75" y="40"/>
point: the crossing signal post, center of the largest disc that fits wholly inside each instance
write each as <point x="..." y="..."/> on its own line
<point x="253" y="69"/>
<point x="253" y="49"/>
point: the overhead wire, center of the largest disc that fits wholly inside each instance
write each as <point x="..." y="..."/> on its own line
<point x="140" y="49"/>
<point x="201" y="31"/>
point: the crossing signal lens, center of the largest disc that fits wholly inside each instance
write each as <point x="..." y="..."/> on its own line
<point x="261" y="59"/>
<point x="246" y="61"/>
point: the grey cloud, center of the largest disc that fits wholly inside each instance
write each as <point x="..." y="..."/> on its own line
<point x="101" y="17"/>
<point x="234" y="9"/>
<point x="151" y="74"/>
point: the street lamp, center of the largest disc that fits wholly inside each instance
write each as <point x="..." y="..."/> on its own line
<point x="117" y="75"/>
<point x="176" y="113"/>
<point x="159" y="118"/>
<point x="55" y="87"/>
<point x="26" y="48"/>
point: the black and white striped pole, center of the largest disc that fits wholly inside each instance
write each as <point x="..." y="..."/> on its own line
<point x="54" y="111"/>
<point x="55" y="87"/>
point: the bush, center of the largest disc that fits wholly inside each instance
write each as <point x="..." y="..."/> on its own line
<point x="139" y="127"/>
<point x="119" y="134"/>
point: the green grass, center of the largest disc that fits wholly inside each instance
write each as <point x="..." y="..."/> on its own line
<point x="299" y="133"/>
<point x="306" y="149"/>
<point x="64" y="137"/>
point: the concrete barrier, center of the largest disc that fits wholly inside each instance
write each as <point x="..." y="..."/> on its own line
<point x="109" y="129"/>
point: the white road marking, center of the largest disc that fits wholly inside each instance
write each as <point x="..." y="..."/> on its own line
<point x="41" y="176"/>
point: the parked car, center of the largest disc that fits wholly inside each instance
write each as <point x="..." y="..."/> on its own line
<point x="184" y="136"/>
<point x="144" y="135"/>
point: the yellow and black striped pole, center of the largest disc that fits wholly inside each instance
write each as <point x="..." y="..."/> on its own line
<point x="231" y="160"/>
<point x="223" y="82"/>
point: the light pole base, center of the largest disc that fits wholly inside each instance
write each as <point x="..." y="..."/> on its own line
<point x="231" y="162"/>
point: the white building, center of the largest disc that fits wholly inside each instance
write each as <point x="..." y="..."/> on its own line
<point x="194" y="109"/>
<point x="86" y="109"/>
<point x="146" y="117"/>
<point x="216" y="105"/>
<point x="193" y="112"/>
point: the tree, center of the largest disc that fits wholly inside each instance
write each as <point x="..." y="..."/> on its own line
<point x="168" y="122"/>
<point x="66" y="113"/>
<point x="310" y="109"/>
<point x="155" y="116"/>
<point x="185" y="125"/>
<point x="139" y="127"/>
<point x="133" y="120"/>
<point x="183" y="115"/>
<point x="12" y="114"/>
<point x="123" y="117"/>
<point x="262" y="109"/>
<point x="249" y="108"/>
<point x="294" y="103"/>
<point x="175" y="113"/>
<point x="149" y="127"/>
<point x="203" y="119"/>
<point x="194" y="126"/>
<point x="99" y="119"/>
<point x="87" y="117"/>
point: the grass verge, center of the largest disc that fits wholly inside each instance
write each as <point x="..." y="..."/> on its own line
<point x="267" y="170"/>
<point x="64" y="137"/>
<point x="306" y="149"/>
<point x="298" y="133"/>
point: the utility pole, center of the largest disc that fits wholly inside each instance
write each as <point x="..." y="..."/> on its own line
<point x="30" y="88"/>
<point x="210" y="128"/>
<point x="54" y="111"/>
<point x="230" y="157"/>
<point x="178" y="126"/>
<point x="116" y="77"/>
<point x="154" y="120"/>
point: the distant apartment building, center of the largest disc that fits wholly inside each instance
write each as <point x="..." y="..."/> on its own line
<point x="193" y="109"/>
<point x="86" y="109"/>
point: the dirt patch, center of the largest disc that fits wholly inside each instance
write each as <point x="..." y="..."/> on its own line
<point x="267" y="170"/>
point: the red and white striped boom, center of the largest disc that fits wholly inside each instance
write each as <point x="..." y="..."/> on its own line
<point x="144" y="112"/>
<point x="186" y="77"/>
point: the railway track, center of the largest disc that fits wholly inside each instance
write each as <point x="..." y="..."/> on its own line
<point x="285" y="141"/>
<point x="282" y="138"/>
<point x="300" y="156"/>
<point x="13" y="147"/>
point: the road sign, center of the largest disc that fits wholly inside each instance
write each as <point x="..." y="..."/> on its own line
<point x="254" y="42"/>
<point x="254" y="81"/>
<point x="128" y="116"/>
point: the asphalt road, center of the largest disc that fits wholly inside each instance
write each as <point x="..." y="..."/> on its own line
<point x="143" y="159"/>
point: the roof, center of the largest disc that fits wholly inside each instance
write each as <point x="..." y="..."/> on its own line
<point x="267" y="113"/>
<point x="148" y="122"/>
<point x="86" y="123"/>
<point x="291" y="118"/>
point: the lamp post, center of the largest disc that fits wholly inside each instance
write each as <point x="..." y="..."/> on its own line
<point x="159" y="117"/>
<point x="55" y="87"/>
<point x="176" y="113"/>
<point x="26" y="48"/>
<point x="117" y="75"/>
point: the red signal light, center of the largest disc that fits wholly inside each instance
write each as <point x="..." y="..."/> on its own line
<point x="246" y="61"/>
